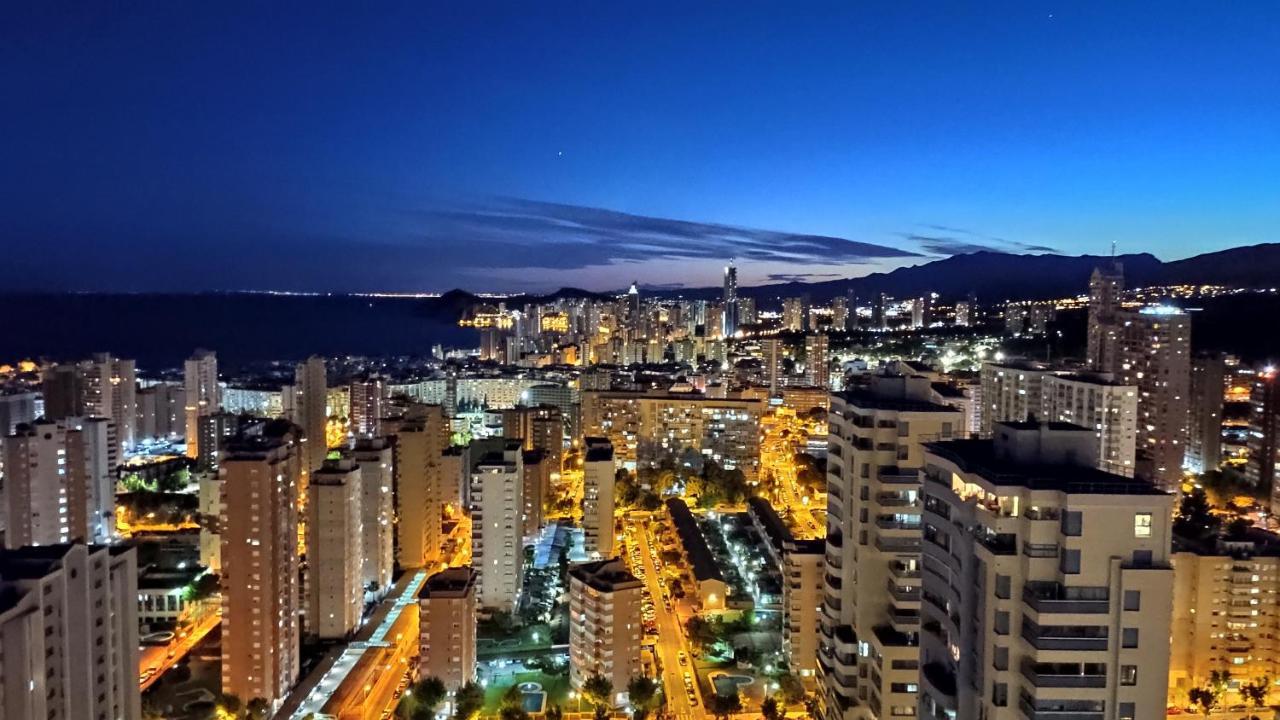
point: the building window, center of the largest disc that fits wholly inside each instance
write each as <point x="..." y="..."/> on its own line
<point x="1142" y="525"/>
<point x="1128" y="674"/>
<point x="1072" y="523"/>
<point x="1132" y="600"/>
<point x="1130" y="638"/>
<point x="1070" y="563"/>
<point x="1128" y="711"/>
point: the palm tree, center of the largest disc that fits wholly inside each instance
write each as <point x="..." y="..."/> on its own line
<point x="722" y="706"/>
<point x="555" y="712"/>
<point x="467" y="701"/>
<point x="599" y="692"/>
<point x="1256" y="692"/>
<point x="642" y="691"/>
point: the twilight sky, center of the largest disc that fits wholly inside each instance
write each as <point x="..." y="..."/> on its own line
<point x="529" y="145"/>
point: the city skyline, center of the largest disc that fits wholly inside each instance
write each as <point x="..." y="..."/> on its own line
<point x="429" y="147"/>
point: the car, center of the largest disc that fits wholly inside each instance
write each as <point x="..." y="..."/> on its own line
<point x="684" y="659"/>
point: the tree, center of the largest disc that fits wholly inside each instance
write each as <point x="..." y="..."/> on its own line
<point x="1256" y="691"/>
<point x="1204" y="698"/>
<point x="229" y="704"/>
<point x="791" y="688"/>
<point x="643" y="692"/>
<point x="701" y="632"/>
<point x="555" y="712"/>
<point x="722" y="706"/>
<point x="599" y="692"/>
<point x="770" y="710"/>
<point x="467" y="701"/>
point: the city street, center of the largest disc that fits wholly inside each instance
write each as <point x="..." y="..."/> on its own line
<point x="671" y="640"/>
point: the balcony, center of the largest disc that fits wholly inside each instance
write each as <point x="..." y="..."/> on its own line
<point x="1050" y="597"/>
<point x="895" y="500"/>
<point x="889" y="523"/>
<point x="941" y="678"/>
<point x="904" y="593"/>
<point x="1040" y="550"/>
<point x="894" y="475"/>
<point x="1030" y="712"/>
<point x="900" y="571"/>
<point x="897" y="545"/>
<point x="1065" y="675"/>
<point x="1064" y="637"/>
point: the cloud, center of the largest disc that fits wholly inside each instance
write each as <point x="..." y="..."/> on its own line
<point x="960" y="241"/>
<point x="799" y="277"/>
<point x="520" y="233"/>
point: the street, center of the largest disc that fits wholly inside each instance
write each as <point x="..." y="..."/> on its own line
<point x="671" y="640"/>
<point x="164" y="657"/>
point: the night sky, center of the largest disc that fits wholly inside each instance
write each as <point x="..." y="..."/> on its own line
<point x="529" y="145"/>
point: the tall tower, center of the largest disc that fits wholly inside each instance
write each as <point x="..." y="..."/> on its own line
<point x="260" y="596"/>
<point x="335" y="551"/>
<point x="597" y="497"/>
<point x="312" y="413"/>
<point x="817" y="369"/>
<point x="1105" y="287"/>
<point x="200" y="385"/>
<point x="730" y="300"/>
<point x="420" y="441"/>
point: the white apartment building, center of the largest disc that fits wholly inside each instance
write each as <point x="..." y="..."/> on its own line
<point x="604" y="624"/>
<point x="59" y="482"/>
<point x="69" y="633"/>
<point x="1017" y="391"/>
<point x="870" y="624"/>
<point x="497" y="544"/>
<point x="377" y="514"/>
<point x="1046" y="582"/>
<point x="598" y="473"/>
<point x="420" y="439"/>
<point x="335" y="555"/>
<point x="801" y="565"/>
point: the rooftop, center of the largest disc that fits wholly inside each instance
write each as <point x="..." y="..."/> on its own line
<point x="604" y="575"/>
<point x="867" y="400"/>
<point x="981" y="458"/>
<point x="450" y="582"/>
<point x="695" y="545"/>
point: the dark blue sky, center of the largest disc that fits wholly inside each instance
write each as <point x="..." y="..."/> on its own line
<point x="190" y="146"/>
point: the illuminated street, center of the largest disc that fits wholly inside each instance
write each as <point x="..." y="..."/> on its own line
<point x="671" y="639"/>
<point x="158" y="659"/>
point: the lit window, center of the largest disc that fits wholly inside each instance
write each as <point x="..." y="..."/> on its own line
<point x="1142" y="525"/>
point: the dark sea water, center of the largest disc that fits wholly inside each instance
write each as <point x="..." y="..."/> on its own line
<point x="161" y="330"/>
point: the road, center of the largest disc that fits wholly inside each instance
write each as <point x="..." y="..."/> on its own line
<point x="164" y="657"/>
<point x="671" y="640"/>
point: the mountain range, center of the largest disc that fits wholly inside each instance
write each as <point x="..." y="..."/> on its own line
<point x="995" y="276"/>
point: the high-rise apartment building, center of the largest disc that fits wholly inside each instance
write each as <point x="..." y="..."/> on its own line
<point x="69" y="633"/>
<point x="771" y="354"/>
<point x="1046" y="582"/>
<point x="16" y="409"/>
<point x="311" y="409"/>
<point x="604" y="623"/>
<point x="793" y="314"/>
<point x="335" y="550"/>
<point x="537" y="488"/>
<point x="160" y="411"/>
<point x="1204" y="429"/>
<point x="110" y="391"/>
<point x="59" y="482"/>
<point x="497" y="541"/>
<point x="62" y="387"/>
<point x="421" y="437"/>
<point x="1263" y="443"/>
<point x="377" y="513"/>
<point x="1155" y="356"/>
<point x="817" y="361"/>
<point x="1226" y="617"/>
<point x="260" y="474"/>
<point x="538" y="427"/>
<point x="1018" y="390"/>
<point x="1106" y="287"/>
<point x="646" y="428"/>
<point x="598" y="472"/>
<point x="870" y="621"/>
<point x="200" y="388"/>
<point x="840" y="313"/>
<point x="447" y="628"/>
<point x="369" y="398"/>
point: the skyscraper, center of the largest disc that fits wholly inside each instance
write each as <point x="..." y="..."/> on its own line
<point x="368" y="403"/>
<point x="312" y="410"/>
<point x="871" y="603"/>
<point x="110" y="391"/>
<point x="771" y="351"/>
<point x="200" y="386"/>
<point x="817" y="363"/>
<point x="598" y="473"/>
<point x="1105" y="288"/>
<point x="1155" y="355"/>
<point x="69" y="633"/>
<point x="59" y="482"/>
<point x="840" y="313"/>
<point x="421" y="438"/>
<point x="1263" y="467"/>
<point x="335" y="550"/>
<point x="793" y="314"/>
<point x="1204" y="437"/>
<point x="260" y="475"/>
<point x="377" y="513"/>
<point x="1046" y="582"/>
<point x="730" y="301"/>
<point x="497" y="548"/>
